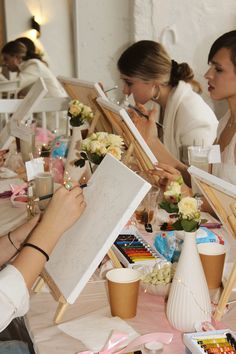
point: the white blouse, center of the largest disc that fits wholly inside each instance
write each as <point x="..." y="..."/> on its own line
<point x="227" y="168"/>
<point x="14" y="296"/>
<point x="31" y="70"/>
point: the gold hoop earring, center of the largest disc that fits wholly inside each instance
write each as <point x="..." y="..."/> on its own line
<point x="155" y="98"/>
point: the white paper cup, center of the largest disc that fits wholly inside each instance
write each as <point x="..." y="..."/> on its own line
<point x="212" y="257"/>
<point x="123" y="287"/>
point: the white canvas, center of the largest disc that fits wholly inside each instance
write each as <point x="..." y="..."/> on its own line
<point x="218" y="183"/>
<point x="122" y="113"/>
<point x="112" y="195"/>
<point x="221" y="197"/>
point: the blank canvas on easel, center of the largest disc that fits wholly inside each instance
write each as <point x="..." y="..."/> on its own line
<point x="112" y="195"/>
<point x="138" y="154"/>
<point x="222" y="197"/>
<point x="87" y="93"/>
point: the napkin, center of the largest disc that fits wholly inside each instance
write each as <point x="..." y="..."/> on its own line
<point x="95" y="328"/>
<point x="7" y="173"/>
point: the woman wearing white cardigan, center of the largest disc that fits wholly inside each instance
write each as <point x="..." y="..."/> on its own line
<point x="150" y="75"/>
<point x="29" y="67"/>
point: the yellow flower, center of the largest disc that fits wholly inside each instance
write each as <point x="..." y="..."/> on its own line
<point x="75" y="110"/>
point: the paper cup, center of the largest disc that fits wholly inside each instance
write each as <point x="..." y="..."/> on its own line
<point x="123" y="287"/>
<point x="43" y="186"/>
<point x="212" y="256"/>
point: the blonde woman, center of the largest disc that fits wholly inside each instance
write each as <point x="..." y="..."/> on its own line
<point x="150" y="75"/>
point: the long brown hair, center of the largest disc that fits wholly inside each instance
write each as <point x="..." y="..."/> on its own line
<point x="148" y="60"/>
<point x="23" y="48"/>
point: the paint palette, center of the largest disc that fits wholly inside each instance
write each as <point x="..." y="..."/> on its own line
<point x="132" y="249"/>
<point x="212" y="342"/>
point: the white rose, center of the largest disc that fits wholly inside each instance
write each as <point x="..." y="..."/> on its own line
<point x="115" y="140"/>
<point x="174" y="190"/>
<point x="95" y="146"/>
<point x="87" y="112"/>
<point x="115" y="151"/>
<point x="188" y="208"/>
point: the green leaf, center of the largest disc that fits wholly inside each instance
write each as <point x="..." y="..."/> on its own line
<point x="177" y="225"/>
<point x="84" y="155"/>
<point x="169" y="207"/>
<point x="80" y="163"/>
<point x="189" y="225"/>
<point x="76" y="121"/>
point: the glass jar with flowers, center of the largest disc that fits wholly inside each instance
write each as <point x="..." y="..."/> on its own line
<point x="78" y="114"/>
<point x="189" y="301"/>
<point x="96" y="146"/>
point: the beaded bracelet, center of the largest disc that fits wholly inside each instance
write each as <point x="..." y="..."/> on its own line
<point x="27" y="244"/>
<point x="9" y="238"/>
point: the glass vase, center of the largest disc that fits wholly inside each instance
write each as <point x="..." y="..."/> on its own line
<point x="75" y="173"/>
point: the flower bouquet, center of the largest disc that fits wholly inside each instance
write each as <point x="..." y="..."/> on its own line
<point x="189" y="215"/>
<point x="172" y="196"/>
<point x="168" y="207"/>
<point x="79" y="113"/>
<point x="97" y="145"/>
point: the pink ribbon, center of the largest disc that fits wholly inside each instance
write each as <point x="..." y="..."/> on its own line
<point x="116" y="340"/>
<point x="17" y="192"/>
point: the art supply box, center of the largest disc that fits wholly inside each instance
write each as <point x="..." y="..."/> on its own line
<point x="210" y="342"/>
<point x="132" y="249"/>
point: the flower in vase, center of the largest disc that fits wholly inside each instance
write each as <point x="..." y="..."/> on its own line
<point x="189" y="215"/>
<point x="97" y="145"/>
<point x="79" y="113"/>
<point x="171" y="197"/>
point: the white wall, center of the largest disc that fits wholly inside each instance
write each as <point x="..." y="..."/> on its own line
<point x="186" y="28"/>
<point x="56" y="27"/>
<point x="103" y="29"/>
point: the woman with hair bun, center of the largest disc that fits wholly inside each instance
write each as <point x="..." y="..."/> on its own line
<point x="32" y="51"/>
<point x="29" y="68"/>
<point x="150" y="75"/>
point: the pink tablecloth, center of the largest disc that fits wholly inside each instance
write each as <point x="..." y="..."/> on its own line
<point x="49" y="339"/>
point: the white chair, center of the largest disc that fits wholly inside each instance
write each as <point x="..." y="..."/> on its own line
<point x="54" y="106"/>
<point x="9" y="88"/>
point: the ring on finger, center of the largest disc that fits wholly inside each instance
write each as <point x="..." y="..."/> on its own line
<point x="68" y="185"/>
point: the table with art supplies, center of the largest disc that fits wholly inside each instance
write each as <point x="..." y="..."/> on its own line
<point x="87" y="323"/>
<point x="143" y="241"/>
<point x="91" y="311"/>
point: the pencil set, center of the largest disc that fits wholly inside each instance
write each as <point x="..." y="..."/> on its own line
<point x="132" y="249"/>
<point x="214" y="342"/>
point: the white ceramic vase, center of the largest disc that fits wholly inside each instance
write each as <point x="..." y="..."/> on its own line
<point x="74" y="172"/>
<point x="189" y="300"/>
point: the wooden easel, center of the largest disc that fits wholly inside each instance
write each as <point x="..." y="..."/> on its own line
<point x="87" y="93"/>
<point x="134" y="149"/>
<point x="225" y="207"/>
<point x="45" y="278"/>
